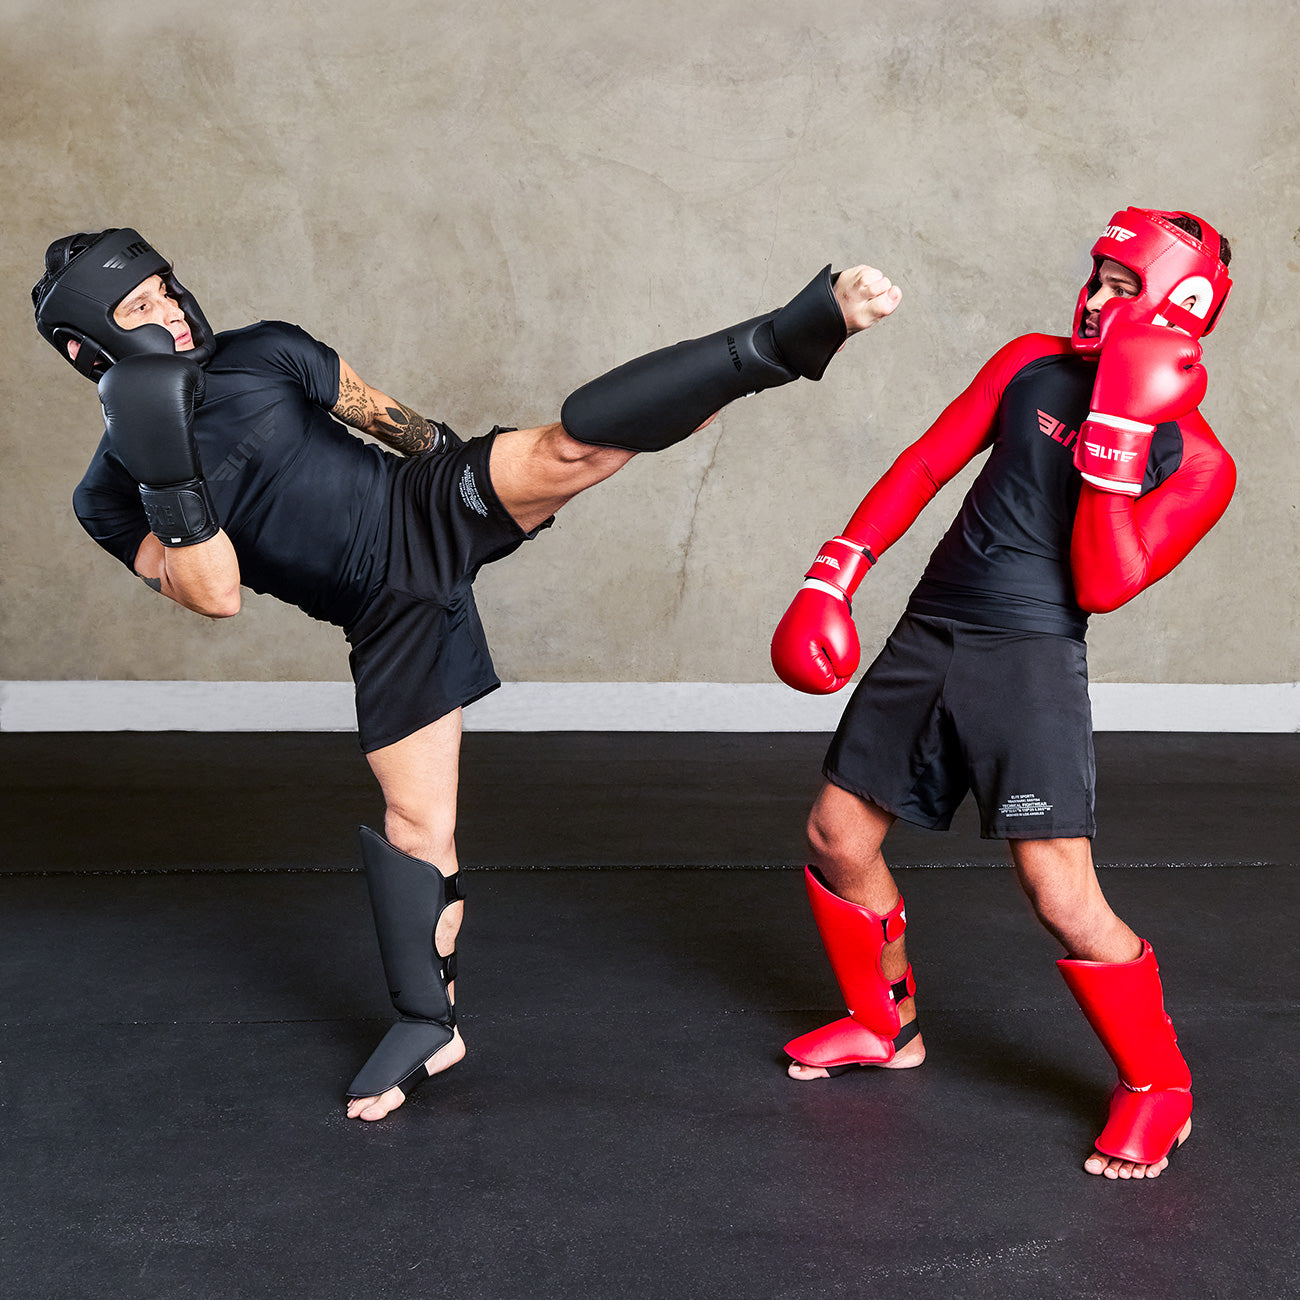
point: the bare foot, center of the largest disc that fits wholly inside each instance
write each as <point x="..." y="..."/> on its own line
<point x="907" y="1057"/>
<point x="865" y="296"/>
<point x="1111" y="1167"/>
<point x="370" y="1108"/>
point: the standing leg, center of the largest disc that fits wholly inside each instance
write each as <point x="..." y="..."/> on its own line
<point x="418" y="776"/>
<point x="859" y="913"/>
<point x="1114" y="978"/>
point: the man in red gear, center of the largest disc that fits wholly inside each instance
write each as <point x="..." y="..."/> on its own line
<point x="1101" y="477"/>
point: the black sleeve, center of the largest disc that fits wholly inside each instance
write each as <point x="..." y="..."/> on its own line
<point x="313" y="364"/>
<point x="107" y="505"/>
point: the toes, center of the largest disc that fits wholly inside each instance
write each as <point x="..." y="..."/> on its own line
<point x="1097" y="1163"/>
<point x="800" y="1071"/>
<point x="373" y="1108"/>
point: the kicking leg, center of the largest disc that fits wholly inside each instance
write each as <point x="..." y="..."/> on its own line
<point x="411" y="872"/>
<point x="1114" y="978"/>
<point x="536" y="471"/>
<point x="658" y="399"/>
<point x="859" y="913"/>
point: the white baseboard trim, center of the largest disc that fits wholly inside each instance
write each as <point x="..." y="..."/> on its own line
<point x="585" y="706"/>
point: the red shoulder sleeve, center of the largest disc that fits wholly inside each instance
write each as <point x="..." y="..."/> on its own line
<point x="966" y="428"/>
<point x="1122" y="544"/>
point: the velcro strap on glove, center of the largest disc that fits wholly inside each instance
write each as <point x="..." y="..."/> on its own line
<point x="842" y="564"/>
<point x="180" y="514"/>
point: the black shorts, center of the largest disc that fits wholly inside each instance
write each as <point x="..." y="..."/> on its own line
<point x="949" y="707"/>
<point x="418" y="647"/>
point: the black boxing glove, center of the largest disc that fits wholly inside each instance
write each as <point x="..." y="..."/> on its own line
<point x="149" y="403"/>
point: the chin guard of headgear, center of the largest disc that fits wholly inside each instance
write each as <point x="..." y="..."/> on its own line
<point x="1173" y="266"/>
<point x="77" y="302"/>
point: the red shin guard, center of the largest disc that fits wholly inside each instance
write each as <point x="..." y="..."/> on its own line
<point x="854" y="938"/>
<point x="1124" y="1004"/>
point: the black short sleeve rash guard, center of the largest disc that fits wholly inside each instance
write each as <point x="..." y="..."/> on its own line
<point x="303" y="500"/>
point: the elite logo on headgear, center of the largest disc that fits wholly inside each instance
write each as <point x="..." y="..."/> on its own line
<point x="1184" y="280"/>
<point x="86" y="277"/>
<point x="120" y="260"/>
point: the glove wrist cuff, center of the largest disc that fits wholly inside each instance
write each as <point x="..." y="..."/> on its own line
<point x="816" y="584"/>
<point x="841" y="564"/>
<point x="180" y="514"/>
<point x="1120" y="422"/>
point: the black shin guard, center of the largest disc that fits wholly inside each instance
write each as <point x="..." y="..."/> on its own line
<point x="407" y="896"/>
<point x="661" y="398"/>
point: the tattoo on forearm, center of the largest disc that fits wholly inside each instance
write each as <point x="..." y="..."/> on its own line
<point x="352" y="407"/>
<point x="397" y="426"/>
<point x="408" y="432"/>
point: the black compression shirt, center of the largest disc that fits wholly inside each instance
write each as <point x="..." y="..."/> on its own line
<point x="303" y="500"/>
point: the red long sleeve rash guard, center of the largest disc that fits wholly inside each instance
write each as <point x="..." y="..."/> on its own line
<point x="1032" y="546"/>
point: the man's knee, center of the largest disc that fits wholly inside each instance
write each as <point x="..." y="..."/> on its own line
<point x="566" y="451"/>
<point x="422" y="832"/>
<point x="1060" y="883"/>
<point x="821" y="832"/>
<point x="841" y="822"/>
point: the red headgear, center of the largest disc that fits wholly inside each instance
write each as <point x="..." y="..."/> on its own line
<point x="1172" y="265"/>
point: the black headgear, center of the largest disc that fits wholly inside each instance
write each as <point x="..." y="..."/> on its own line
<point x="86" y="276"/>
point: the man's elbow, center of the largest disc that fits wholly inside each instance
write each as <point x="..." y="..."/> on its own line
<point x="228" y="606"/>
<point x="1099" y="598"/>
<point x="1098" y="604"/>
<point x="222" y="604"/>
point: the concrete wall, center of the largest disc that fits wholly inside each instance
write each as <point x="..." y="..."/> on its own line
<point x="481" y="204"/>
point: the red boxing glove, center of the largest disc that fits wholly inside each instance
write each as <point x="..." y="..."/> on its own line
<point x="815" y="646"/>
<point x="1145" y="374"/>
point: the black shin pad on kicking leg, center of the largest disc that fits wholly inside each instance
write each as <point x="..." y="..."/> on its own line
<point x="661" y="398"/>
<point x="407" y="896"/>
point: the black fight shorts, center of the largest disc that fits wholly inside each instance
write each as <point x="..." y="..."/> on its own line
<point x="949" y="707"/>
<point x="418" y="647"/>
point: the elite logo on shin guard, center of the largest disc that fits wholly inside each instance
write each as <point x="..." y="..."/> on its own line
<point x="735" y="354"/>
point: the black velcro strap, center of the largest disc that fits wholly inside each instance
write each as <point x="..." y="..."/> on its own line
<point x="180" y="514"/>
<point x="908" y="1032"/>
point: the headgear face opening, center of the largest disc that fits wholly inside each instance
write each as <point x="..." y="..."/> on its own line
<point x="77" y="301"/>
<point x="1173" y="267"/>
